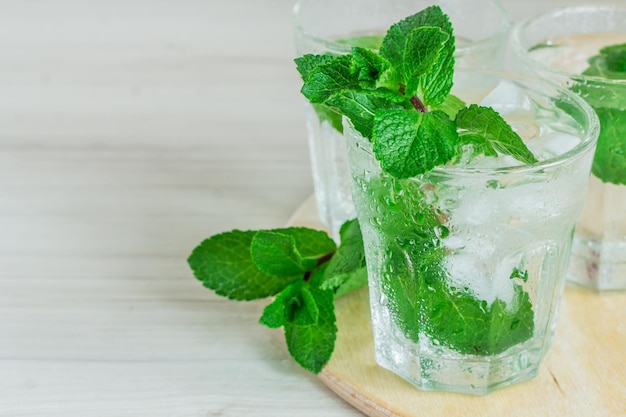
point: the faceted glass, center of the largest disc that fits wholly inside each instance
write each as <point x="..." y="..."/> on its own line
<point x="466" y="264"/>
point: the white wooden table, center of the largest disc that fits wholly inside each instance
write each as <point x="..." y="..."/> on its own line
<point x="130" y="130"/>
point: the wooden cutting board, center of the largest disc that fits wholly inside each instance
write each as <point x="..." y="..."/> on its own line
<point x="583" y="375"/>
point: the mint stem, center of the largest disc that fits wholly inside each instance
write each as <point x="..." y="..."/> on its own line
<point x="417" y="103"/>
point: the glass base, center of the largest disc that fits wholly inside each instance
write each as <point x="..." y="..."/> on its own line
<point x="476" y="376"/>
<point x="598" y="265"/>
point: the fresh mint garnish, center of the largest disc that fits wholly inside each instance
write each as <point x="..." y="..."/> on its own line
<point x="484" y="128"/>
<point x="409" y="143"/>
<point x="609" y="102"/>
<point x="303" y="268"/>
<point x="399" y="98"/>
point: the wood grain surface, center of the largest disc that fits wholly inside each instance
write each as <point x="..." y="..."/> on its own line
<point x="130" y="130"/>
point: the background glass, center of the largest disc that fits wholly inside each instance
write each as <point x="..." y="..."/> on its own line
<point x="558" y="45"/>
<point x="333" y="26"/>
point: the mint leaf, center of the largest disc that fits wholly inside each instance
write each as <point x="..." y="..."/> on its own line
<point x="294" y="305"/>
<point x="609" y="102"/>
<point x="436" y="82"/>
<point x="409" y="143"/>
<point x="451" y="106"/>
<point x="414" y="279"/>
<point x="371" y="69"/>
<point x="311" y="244"/>
<point x="312" y="345"/>
<point x="360" y="106"/>
<point x="306" y="63"/>
<point x="329" y="78"/>
<point x="372" y="42"/>
<point x="610" y="63"/>
<point x="324" y="114"/>
<point x="346" y="271"/>
<point x="470" y="326"/>
<point x="276" y="254"/>
<point x="223" y="263"/>
<point x="484" y="127"/>
<point x="609" y="163"/>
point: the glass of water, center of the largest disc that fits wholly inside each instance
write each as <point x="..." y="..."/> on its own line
<point x="466" y="263"/>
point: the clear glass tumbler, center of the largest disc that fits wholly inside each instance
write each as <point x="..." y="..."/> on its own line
<point x="564" y="45"/>
<point x="334" y="26"/>
<point x="466" y="264"/>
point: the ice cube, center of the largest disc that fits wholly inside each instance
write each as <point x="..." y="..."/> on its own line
<point x="558" y="143"/>
<point x="506" y="98"/>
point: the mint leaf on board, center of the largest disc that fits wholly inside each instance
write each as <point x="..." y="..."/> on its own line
<point x="346" y="271"/>
<point x="408" y="143"/>
<point x="311" y="244"/>
<point x="293" y="305"/>
<point x="223" y="263"/>
<point x="312" y="345"/>
<point x="276" y="254"/>
<point x="486" y="129"/>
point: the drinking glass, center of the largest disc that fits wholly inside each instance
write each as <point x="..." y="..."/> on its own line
<point x="333" y="27"/>
<point x="466" y="263"/>
<point x="560" y="45"/>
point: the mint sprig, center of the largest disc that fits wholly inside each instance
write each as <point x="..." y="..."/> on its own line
<point x="303" y="268"/>
<point x="609" y="103"/>
<point x="399" y="98"/>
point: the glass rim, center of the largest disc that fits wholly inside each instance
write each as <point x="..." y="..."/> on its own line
<point x="522" y="52"/>
<point x="506" y="23"/>
<point x="588" y="139"/>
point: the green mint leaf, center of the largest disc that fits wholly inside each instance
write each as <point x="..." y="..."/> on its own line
<point x="409" y="143"/>
<point x="306" y="63"/>
<point x="346" y="270"/>
<point x="311" y="244"/>
<point x="324" y="114"/>
<point x="276" y="254"/>
<point x="312" y="345"/>
<point x="471" y="326"/>
<point x="609" y="103"/>
<point x="223" y="263"/>
<point x="329" y="78"/>
<point x="414" y="279"/>
<point x="435" y="83"/>
<point x="609" y="163"/>
<point x="360" y="106"/>
<point x="372" y="42"/>
<point x="519" y="274"/>
<point x="293" y="305"/>
<point x="484" y="127"/>
<point x="610" y="63"/>
<point x="451" y="106"/>
<point x="372" y="70"/>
